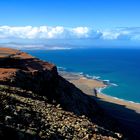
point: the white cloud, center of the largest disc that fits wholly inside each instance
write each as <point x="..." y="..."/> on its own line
<point x="45" y="32"/>
<point x="81" y="31"/>
<point x="60" y="32"/>
<point x="122" y="33"/>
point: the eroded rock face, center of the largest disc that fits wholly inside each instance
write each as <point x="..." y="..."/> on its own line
<point x="23" y="72"/>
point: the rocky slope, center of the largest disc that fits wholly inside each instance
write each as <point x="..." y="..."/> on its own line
<point x="37" y="103"/>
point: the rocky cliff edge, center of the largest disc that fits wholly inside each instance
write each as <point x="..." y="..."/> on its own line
<point x="37" y="103"/>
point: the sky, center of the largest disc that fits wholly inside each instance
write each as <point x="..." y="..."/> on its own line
<point x="98" y="20"/>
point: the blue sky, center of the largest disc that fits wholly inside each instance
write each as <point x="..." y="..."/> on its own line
<point x="71" y="13"/>
<point x="98" y="20"/>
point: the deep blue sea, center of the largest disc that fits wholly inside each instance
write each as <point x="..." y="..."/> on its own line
<point x="120" y="66"/>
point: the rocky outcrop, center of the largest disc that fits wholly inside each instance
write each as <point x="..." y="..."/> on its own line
<point x="27" y="72"/>
<point x="38" y="102"/>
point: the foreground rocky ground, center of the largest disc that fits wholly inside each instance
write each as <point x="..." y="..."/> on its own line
<point x="37" y="103"/>
<point x="30" y="116"/>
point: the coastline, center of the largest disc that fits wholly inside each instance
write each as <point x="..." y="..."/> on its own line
<point x="87" y="85"/>
<point x="126" y="113"/>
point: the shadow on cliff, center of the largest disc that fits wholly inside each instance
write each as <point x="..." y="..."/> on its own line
<point x="127" y="119"/>
<point x="115" y="117"/>
<point x="23" y="64"/>
<point x="111" y="116"/>
<point x="60" y="91"/>
<point x="31" y="75"/>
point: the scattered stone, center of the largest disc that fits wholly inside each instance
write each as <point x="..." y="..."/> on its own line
<point x="7" y="118"/>
<point x="37" y="103"/>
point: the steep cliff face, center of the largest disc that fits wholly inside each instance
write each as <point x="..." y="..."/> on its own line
<point x="21" y="72"/>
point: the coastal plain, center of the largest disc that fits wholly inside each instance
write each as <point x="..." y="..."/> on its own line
<point x="26" y="81"/>
<point x="126" y="112"/>
<point x="37" y="103"/>
<point x="88" y="86"/>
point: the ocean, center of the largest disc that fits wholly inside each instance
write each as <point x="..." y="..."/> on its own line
<point x="119" y="68"/>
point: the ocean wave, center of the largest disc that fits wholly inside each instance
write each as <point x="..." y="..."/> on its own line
<point x="61" y="68"/>
<point x="78" y="73"/>
<point x="98" y="78"/>
<point x="92" y="77"/>
<point x="107" y="82"/>
<point x="116" y="98"/>
<point x="113" y="84"/>
<point x="99" y="90"/>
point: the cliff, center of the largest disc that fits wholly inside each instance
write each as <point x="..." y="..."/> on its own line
<point x="37" y="103"/>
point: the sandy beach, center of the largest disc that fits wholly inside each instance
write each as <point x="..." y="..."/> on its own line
<point x="87" y="86"/>
<point x="126" y="113"/>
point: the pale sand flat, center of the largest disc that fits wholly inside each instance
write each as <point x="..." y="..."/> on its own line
<point x="87" y="86"/>
<point x="126" y="113"/>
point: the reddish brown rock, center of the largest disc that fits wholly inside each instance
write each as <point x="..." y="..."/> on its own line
<point x="13" y="62"/>
<point x="22" y="70"/>
<point x="19" y="69"/>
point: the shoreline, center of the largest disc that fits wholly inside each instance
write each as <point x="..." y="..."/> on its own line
<point x="126" y="114"/>
<point x="87" y="85"/>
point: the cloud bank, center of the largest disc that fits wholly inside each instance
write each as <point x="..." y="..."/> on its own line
<point x="60" y="32"/>
<point x="122" y="34"/>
